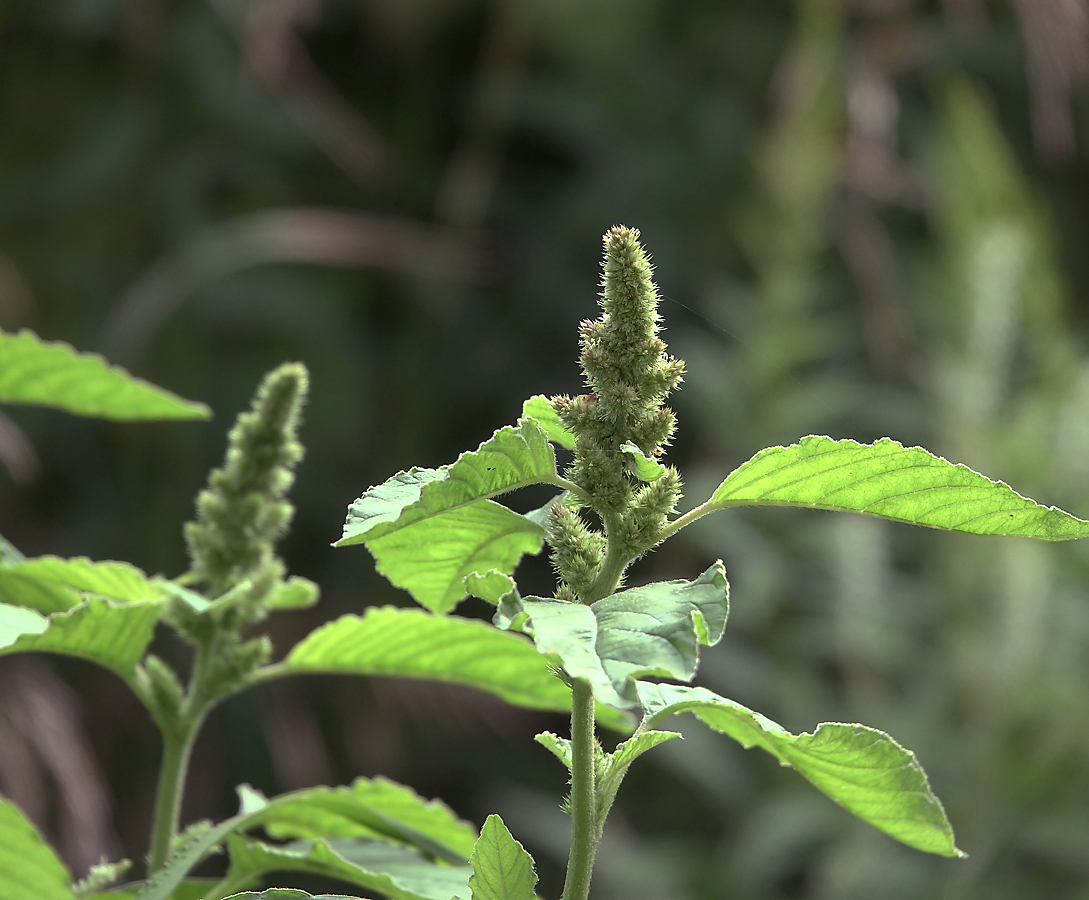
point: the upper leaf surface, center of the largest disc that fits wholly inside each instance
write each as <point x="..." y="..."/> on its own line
<point x="397" y="872"/>
<point x="502" y="869"/>
<point x="513" y="457"/>
<point x="100" y="630"/>
<point x="431" y="557"/>
<point x="862" y="769"/>
<point x="118" y="580"/>
<point x="886" y="479"/>
<point x="21" y="589"/>
<point x="410" y="643"/>
<point x="51" y="373"/>
<point x="29" y="869"/>
<point x="540" y="408"/>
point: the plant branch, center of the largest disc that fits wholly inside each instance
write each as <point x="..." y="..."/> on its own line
<point x="177" y="747"/>
<point x="585" y="830"/>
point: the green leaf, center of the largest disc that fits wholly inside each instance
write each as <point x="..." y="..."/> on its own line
<point x="20" y="589"/>
<point x="649" y="630"/>
<point x="556" y="745"/>
<point x="540" y="408"/>
<point x="646" y="469"/>
<point x="369" y="808"/>
<point x="398" y="872"/>
<point x="491" y="586"/>
<point x="118" y="580"/>
<point x="886" y="479"/>
<point x="29" y="869"/>
<point x="16" y="621"/>
<point x="190" y="889"/>
<point x="630" y="750"/>
<point x="513" y="457"/>
<point x="54" y="374"/>
<point x="862" y="769"/>
<point x="295" y="593"/>
<point x="286" y="894"/>
<point x="411" y="643"/>
<point x="431" y="557"/>
<point x="502" y="869"/>
<point x="103" y="631"/>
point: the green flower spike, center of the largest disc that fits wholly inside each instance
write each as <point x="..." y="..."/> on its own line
<point x="629" y="375"/>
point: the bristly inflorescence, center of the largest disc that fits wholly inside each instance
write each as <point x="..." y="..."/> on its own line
<point x="629" y="374"/>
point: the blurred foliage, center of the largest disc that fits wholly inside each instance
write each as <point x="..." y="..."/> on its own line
<point x="868" y="219"/>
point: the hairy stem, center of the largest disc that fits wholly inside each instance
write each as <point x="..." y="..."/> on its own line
<point x="177" y="747"/>
<point x="584" y="826"/>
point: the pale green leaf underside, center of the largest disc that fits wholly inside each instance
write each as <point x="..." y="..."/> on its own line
<point x="29" y="869"/>
<point x="862" y="769"/>
<point x="410" y="643"/>
<point x="397" y="872"/>
<point x="646" y="469"/>
<point x="17" y="621"/>
<point x="650" y="630"/>
<point x="51" y="373"/>
<point x="886" y="479"/>
<point x="502" y="869"/>
<point x="513" y="457"/>
<point x="103" y="631"/>
<point x="431" y="557"/>
<point x="540" y="408"/>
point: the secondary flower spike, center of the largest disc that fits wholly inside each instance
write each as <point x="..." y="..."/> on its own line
<point x="629" y="375"/>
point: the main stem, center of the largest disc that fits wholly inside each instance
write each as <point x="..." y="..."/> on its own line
<point x="584" y="830"/>
<point x="177" y="747"/>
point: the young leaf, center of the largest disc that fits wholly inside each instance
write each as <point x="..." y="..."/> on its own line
<point x="397" y="872"/>
<point x="431" y="557"/>
<point x="862" y="769"/>
<point x="886" y="479"/>
<point x="649" y="630"/>
<point x="630" y="750"/>
<point x="645" y="468"/>
<point x="410" y="643"/>
<point x="29" y="869"/>
<point x="103" y="631"/>
<point x="117" y="580"/>
<point x="513" y="457"/>
<point x="502" y="869"/>
<point x="54" y="374"/>
<point x="556" y="745"/>
<point x="540" y="408"/>
<point x="295" y="593"/>
<point x="491" y="586"/>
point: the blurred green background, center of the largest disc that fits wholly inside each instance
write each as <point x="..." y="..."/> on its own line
<point x="867" y="218"/>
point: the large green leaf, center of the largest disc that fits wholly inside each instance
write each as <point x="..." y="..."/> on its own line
<point x="411" y="643"/>
<point x="19" y="588"/>
<point x="513" y="457"/>
<point x="54" y="374"/>
<point x="396" y="871"/>
<point x="431" y="557"/>
<point x="502" y="869"/>
<point x="118" y="580"/>
<point x="862" y="769"/>
<point x="886" y="479"/>
<point x="190" y="889"/>
<point x="29" y="869"/>
<point x="651" y="630"/>
<point x="114" y="635"/>
<point x="370" y="808"/>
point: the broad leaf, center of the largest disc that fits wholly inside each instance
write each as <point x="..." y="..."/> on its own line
<point x="21" y="589"/>
<point x="190" y="889"/>
<point x="118" y="580"/>
<point x="54" y="374"/>
<point x="17" y="621"/>
<point x="886" y="479"/>
<point x="491" y="586"/>
<point x="649" y="630"/>
<point x="431" y="557"/>
<point x="862" y="769"/>
<point x="369" y="808"/>
<point x="410" y="643"/>
<point x="29" y="869"/>
<point x="397" y="872"/>
<point x="513" y="457"/>
<point x="540" y="408"/>
<point x="502" y="869"/>
<point x="286" y="894"/>
<point x="105" y="632"/>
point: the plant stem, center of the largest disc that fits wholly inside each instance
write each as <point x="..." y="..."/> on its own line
<point x="612" y="566"/>
<point x="177" y="746"/>
<point x="584" y="826"/>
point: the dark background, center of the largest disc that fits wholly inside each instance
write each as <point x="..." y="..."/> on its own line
<point x="867" y="219"/>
